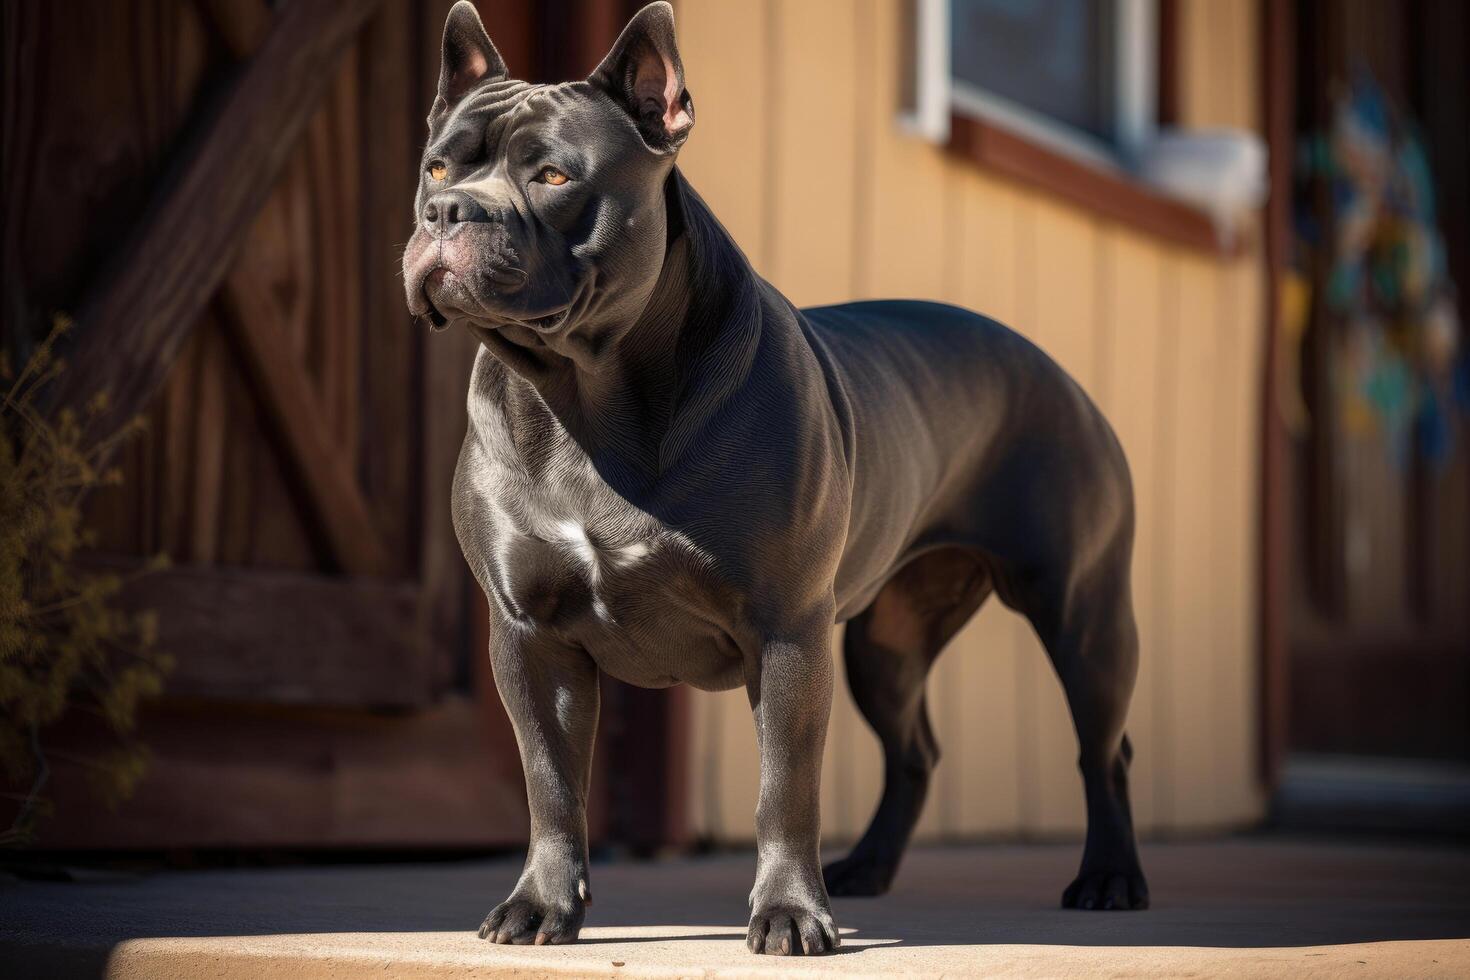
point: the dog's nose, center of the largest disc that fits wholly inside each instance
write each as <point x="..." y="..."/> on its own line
<point x="447" y="211"/>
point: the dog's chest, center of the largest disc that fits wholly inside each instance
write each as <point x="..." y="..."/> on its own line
<point x="560" y="551"/>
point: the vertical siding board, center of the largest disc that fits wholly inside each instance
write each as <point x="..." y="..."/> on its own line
<point x="724" y="52"/>
<point x="1193" y="644"/>
<point x="812" y="186"/>
<point x="1026" y="652"/>
<point x="1237" y="708"/>
<point x="1197" y="57"/>
<point x="904" y="255"/>
<point x="1130" y="364"/>
<point x="978" y="774"/>
<point x="1161" y="551"/>
<point x="1066" y="326"/>
<point x="945" y="699"/>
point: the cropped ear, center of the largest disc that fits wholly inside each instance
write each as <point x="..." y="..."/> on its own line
<point x="643" y="74"/>
<point x="469" y="58"/>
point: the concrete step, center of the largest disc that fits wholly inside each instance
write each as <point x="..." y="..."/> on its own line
<point x="1243" y="907"/>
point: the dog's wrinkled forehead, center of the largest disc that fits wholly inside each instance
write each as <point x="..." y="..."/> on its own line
<point x="487" y="113"/>
<point x="642" y="79"/>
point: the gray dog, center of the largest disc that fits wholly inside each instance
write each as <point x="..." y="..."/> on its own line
<point x="674" y="476"/>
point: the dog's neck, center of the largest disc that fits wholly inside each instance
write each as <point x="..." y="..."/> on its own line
<point x="635" y="403"/>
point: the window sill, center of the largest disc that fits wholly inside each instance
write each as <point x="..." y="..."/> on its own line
<point x="1113" y="196"/>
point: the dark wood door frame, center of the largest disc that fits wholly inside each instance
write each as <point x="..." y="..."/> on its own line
<point x="1278" y="63"/>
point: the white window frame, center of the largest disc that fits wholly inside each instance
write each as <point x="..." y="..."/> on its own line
<point x="937" y="93"/>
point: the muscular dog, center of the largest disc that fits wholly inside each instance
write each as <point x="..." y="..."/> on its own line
<point x="674" y="476"/>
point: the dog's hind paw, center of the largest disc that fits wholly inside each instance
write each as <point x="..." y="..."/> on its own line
<point x="1107" y="891"/>
<point x="856" y="876"/>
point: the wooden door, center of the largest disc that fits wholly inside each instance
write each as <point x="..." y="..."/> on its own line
<point x="302" y="431"/>
<point x="1379" y="639"/>
<point x="218" y="192"/>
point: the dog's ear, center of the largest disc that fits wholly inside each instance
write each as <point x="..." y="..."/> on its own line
<point x="469" y="58"/>
<point x="643" y="74"/>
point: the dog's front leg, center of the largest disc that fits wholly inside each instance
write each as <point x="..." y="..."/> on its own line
<point x="790" y="691"/>
<point x="550" y="692"/>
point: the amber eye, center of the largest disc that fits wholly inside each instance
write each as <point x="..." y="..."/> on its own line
<point x="553" y="176"/>
<point x="437" y="170"/>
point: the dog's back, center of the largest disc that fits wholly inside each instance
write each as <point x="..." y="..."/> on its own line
<point x="974" y="435"/>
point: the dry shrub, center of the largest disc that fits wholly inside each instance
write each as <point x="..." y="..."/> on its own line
<point x="66" y="645"/>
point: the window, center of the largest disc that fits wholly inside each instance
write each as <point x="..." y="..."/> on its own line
<point x="1075" y="75"/>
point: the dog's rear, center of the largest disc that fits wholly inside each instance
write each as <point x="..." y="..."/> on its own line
<point x="979" y="467"/>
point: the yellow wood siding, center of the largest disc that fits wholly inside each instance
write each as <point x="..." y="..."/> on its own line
<point x="798" y="150"/>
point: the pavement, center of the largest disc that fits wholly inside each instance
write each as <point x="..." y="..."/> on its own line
<point x="1249" y="907"/>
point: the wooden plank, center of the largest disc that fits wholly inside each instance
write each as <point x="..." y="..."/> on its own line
<point x="392" y="348"/>
<point x="1067" y="325"/>
<point x="240" y="27"/>
<point x="978" y="779"/>
<point x="236" y="533"/>
<point x="131" y="326"/>
<point x="288" y="400"/>
<point x="902" y="202"/>
<point x="206" y="456"/>
<point x="1193" y="646"/>
<point x="284" y="638"/>
<point x="174" y="415"/>
<point x="334" y="279"/>
<point x="725" y="53"/>
<point x="1236" y="463"/>
<point x="1160" y="555"/>
<point x="229" y="777"/>
<point x="812" y="187"/>
<point x="59" y="223"/>
<point x="1198" y="60"/>
<point x="1130" y="355"/>
<point x="1275" y="531"/>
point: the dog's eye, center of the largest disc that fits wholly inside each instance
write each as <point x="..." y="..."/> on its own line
<point x="553" y="176"/>
<point x="437" y="170"/>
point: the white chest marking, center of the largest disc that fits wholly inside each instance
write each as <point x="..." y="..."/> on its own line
<point x="574" y="536"/>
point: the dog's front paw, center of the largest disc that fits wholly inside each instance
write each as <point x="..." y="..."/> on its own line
<point x="522" y="921"/>
<point x="792" y="930"/>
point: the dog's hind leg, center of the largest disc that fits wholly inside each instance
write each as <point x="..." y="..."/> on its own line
<point x="1088" y="630"/>
<point x="888" y="650"/>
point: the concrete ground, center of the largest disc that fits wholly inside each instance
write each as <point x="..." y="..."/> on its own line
<point x="1249" y="907"/>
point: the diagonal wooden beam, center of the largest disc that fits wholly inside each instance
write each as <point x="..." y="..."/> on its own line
<point x="130" y="328"/>
<point x="290" y="403"/>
